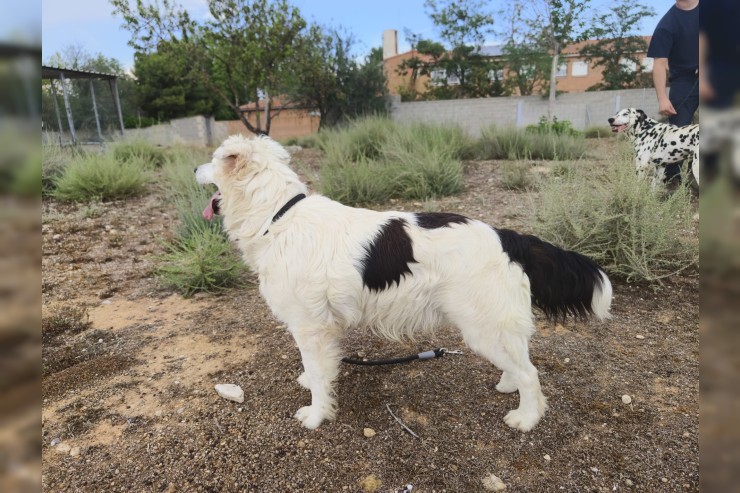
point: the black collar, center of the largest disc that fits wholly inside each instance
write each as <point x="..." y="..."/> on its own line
<point x="287" y="207"/>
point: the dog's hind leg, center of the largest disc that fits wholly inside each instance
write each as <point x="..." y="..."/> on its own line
<point x="321" y="354"/>
<point x="503" y="339"/>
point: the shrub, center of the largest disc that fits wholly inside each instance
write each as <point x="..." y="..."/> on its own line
<point x="598" y="132"/>
<point x="65" y="319"/>
<point x="94" y="177"/>
<point x="618" y="221"/>
<point x="139" y="150"/>
<point x="203" y="261"/>
<point x="54" y="159"/>
<point x="515" y="175"/>
<point x="512" y="143"/>
<point x="307" y="142"/>
<point x="375" y="160"/>
<point x="557" y="127"/>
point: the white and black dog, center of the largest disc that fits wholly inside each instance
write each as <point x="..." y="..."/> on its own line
<point x="324" y="267"/>
<point x="657" y="144"/>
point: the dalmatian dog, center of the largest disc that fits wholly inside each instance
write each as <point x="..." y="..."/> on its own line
<point x="657" y="144"/>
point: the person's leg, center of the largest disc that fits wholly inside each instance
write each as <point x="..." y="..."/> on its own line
<point x="684" y="97"/>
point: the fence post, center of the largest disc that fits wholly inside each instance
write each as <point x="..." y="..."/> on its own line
<point x="62" y="81"/>
<point x="617" y="103"/>
<point x="519" y="113"/>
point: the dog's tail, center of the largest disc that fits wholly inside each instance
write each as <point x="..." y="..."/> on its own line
<point x="562" y="282"/>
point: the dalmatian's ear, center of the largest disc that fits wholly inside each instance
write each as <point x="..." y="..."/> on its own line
<point x="641" y="116"/>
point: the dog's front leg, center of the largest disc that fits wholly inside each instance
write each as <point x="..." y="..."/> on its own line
<point x="659" y="178"/>
<point x="321" y="354"/>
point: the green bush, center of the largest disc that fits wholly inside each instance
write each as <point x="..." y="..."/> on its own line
<point x="312" y="141"/>
<point x="95" y="177"/>
<point x="511" y="143"/>
<point x="618" y="221"/>
<point x="201" y="258"/>
<point x="128" y="150"/>
<point x="54" y="159"/>
<point x="375" y="159"/>
<point x="203" y="262"/>
<point x="598" y="132"/>
<point x="557" y="127"/>
<point x="515" y="175"/>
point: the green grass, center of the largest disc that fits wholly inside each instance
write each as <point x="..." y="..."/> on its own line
<point x="139" y="150"/>
<point x="201" y="258"/>
<point x="312" y="141"/>
<point x="515" y="175"/>
<point x="96" y="177"/>
<point x="618" y="221"/>
<point x="598" y="132"/>
<point x="516" y="144"/>
<point x="375" y="159"/>
<point x="203" y="262"/>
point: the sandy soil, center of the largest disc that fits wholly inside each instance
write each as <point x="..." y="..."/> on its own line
<point x="130" y="406"/>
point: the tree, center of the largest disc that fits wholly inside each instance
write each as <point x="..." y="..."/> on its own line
<point x="460" y="71"/>
<point x="617" y="47"/>
<point x="241" y="53"/>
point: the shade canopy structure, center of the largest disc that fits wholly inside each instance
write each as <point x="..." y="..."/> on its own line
<point x="62" y="75"/>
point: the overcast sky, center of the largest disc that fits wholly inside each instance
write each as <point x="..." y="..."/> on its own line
<point x="90" y="23"/>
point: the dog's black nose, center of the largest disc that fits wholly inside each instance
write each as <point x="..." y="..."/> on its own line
<point x="611" y="120"/>
<point x="195" y="170"/>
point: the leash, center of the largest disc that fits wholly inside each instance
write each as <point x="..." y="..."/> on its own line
<point x="431" y="354"/>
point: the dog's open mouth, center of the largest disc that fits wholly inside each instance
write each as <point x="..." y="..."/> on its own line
<point x="213" y="207"/>
<point x="618" y="128"/>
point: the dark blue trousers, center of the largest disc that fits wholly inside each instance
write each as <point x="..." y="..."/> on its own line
<point x="684" y="97"/>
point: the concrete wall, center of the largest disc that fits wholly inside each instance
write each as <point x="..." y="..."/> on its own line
<point x="582" y="109"/>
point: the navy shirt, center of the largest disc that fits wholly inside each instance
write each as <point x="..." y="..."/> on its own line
<point x="719" y="21"/>
<point x="677" y="39"/>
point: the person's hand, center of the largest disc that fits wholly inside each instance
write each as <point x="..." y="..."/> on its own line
<point x="666" y="108"/>
<point x="706" y="91"/>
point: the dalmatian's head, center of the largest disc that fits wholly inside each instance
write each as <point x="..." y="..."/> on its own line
<point x="626" y="119"/>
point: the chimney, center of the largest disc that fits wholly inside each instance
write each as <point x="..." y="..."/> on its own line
<point x="390" y="43"/>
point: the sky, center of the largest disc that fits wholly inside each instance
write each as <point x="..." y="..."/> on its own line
<point x="90" y="23"/>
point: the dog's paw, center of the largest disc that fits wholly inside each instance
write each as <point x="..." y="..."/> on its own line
<point x="303" y="380"/>
<point x="522" y="420"/>
<point x="310" y="417"/>
<point x="505" y="385"/>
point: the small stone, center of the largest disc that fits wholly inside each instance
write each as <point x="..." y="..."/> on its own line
<point x="548" y="458"/>
<point x="665" y="480"/>
<point x="686" y="434"/>
<point x="181" y="410"/>
<point x="55" y="442"/>
<point x="639" y="336"/>
<point x="75" y="451"/>
<point x="368" y="432"/>
<point x="106" y="302"/>
<point x="230" y="392"/>
<point x="493" y="483"/>
<point x="57" y="237"/>
<point x="628" y="482"/>
<point x="158" y="413"/>
<point x="100" y="341"/>
<point x="63" y="448"/>
<point x="595" y="470"/>
<point x="626" y="399"/>
<point x="113" y="231"/>
<point x="301" y="444"/>
<point x="370" y="484"/>
<point x="567" y="360"/>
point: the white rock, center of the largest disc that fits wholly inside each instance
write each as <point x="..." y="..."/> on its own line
<point x="230" y="392"/>
<point x="55" y="442"/>
<point x="628" y="482"/>
<point x="75" y="451"/>
<point x="369" y="432"/>
<point x="639" y="336"/>
<point x="57" y="237"/>
<point x="493" y="483"/>
<point x="567" y="360"/>
<point x="548" y="458"/>
<point x="63" y="448"/>
<point x="626" y="399"/>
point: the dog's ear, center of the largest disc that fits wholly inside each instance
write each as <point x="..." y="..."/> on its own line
<point x="641" y="116"/>
<point x="235" y="163"/>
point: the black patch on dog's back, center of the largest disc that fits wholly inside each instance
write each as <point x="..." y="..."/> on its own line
<point x="388" y="257"/>
<point x="434" y="220"/>
<point x="562" y="282"/>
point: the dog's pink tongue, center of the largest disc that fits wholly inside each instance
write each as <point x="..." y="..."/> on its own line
<point x="209" y="211"/>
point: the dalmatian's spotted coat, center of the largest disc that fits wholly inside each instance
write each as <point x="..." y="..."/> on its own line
<point x="657" y="144"/>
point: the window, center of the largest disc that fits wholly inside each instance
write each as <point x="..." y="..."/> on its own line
<point x="579" y="69"/>
<point x="438" y="77"/>
<point x="628" y="64"/>
<point x="496" y="74"/>
<point x="647" y="64"/>
<point x="562" y="70"/>
<point x="453" y="80"/>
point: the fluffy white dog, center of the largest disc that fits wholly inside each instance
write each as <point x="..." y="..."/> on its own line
<point x="324" y="267"/>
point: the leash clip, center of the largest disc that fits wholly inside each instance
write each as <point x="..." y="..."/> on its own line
<point x="450" y="351"/>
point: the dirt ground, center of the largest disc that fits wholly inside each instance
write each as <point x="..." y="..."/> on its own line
<point x="129" y="403"/>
